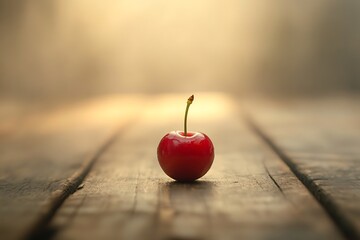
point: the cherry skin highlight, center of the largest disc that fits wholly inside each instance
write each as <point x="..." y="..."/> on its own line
<point x="185" y="158"/>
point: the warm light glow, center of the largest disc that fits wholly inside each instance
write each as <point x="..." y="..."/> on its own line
<point x="206" y="107"/>
<point x="81" y="48"/>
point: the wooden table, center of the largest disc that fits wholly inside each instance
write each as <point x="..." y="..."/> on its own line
<point x="283" y="169"/>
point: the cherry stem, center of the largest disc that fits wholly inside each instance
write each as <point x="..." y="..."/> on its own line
<point x="189" y="102"/>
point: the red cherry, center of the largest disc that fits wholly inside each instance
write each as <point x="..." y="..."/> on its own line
<point x="185" y="156"/>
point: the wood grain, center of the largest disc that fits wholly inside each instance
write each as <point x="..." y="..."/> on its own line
<point x="320" y="141"/>
<point x="248" y="194"/>
<point x="44" y="150"/>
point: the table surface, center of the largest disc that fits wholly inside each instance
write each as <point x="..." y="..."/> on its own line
<point x="283" y="169"/>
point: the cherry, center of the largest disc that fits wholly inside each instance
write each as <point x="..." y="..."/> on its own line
<point x="185" y="156"/>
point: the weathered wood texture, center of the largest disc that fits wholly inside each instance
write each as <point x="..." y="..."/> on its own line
<point x="320" y="141"/>
<point x="248" y="194"/>
<point x="42" y="150"/>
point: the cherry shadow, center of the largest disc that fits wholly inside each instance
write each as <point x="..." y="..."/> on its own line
<point x="187" y="192"/>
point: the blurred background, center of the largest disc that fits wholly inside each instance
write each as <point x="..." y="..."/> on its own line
<point x="66" y="49"/>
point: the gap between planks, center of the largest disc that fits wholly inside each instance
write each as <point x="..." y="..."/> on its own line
<point x="40" y="229"/>
<point x="344" y="225"/>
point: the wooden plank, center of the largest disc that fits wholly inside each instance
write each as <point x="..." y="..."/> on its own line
<point x="13" y="112"/>
<point x="248" y="194"/>
<point x="319" y="140"/>
<point x="39" y="155"/>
